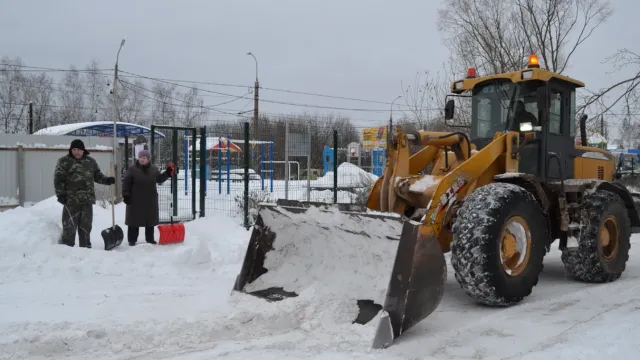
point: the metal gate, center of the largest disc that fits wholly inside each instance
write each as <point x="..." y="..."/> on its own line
<point x="177" y="197"/>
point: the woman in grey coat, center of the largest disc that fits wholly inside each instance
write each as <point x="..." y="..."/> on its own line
<point x="140" y="194"/>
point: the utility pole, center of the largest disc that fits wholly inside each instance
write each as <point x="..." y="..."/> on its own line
<point x="115" y="107"/>
<point x="602" y="125"/>
<point x="115" y="133"/>
<point x="255" y="99"/>
<point x="31" y="117"/>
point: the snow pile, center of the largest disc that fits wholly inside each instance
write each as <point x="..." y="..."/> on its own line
<point x="424" y="183"/>
<point x="348" y="175"/>
<point x="175" y="302"/>
<point x="58" y="300"/>
<point x="133" y="300"/>
<point x="329" y="255"/>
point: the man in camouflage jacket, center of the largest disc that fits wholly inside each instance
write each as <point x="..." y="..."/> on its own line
<point x="73" y="181"/>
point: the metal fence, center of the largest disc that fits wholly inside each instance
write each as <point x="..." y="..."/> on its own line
<point x="27" y="163"/>
<point x="178" y="197"/>
<point x="279" y="160"/>
<point x="226" y="168"/>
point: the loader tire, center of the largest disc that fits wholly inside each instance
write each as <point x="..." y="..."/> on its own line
<point x="604" y="243"/>
<point x="481" y="242"/>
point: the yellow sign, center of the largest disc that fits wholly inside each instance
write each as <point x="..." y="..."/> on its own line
<point x="374" y="137"/>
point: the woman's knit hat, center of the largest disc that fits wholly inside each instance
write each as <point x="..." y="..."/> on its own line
<point x="144" y="153"/>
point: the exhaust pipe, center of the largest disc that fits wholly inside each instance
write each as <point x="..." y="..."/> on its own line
<point x="583" y="129"/>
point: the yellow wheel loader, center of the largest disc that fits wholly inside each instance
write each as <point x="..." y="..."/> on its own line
<point x="496" y="197"/>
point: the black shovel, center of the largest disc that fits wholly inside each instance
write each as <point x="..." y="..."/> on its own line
<point x="113" y="235"/>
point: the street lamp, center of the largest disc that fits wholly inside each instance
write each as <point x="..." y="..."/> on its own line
<point x="115" y="118"/>
<point x="391" y="121"/>
<point x="115" y="98"/>
<point x="391" y="112"/>
<point x="256" y="60"/>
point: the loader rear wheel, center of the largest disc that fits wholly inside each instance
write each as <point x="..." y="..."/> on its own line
<point x="498" y="246"/>
<point x="603" y="247"/>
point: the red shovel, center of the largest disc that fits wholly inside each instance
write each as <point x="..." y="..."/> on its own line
<point x="172" y="233"/>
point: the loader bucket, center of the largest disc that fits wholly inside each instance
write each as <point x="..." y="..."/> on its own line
<point x="416" y="285"/>
<point x="297" y="247"/>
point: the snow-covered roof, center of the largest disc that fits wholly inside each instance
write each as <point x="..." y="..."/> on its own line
<point x="99" y="128"/>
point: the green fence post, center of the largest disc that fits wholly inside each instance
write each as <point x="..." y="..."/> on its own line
<point x="174" y="179"/>
<point x="335" y="166"/>
<point x="194" y="138"/>
<point x="247" y="161"/>
<point x="203" y="168"/>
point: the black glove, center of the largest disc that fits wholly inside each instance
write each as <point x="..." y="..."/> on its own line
<point x="62" y="199"/>
<point x="111" y="180"/>
<point x="126" y="199"/>
<point x="169" y="171"/>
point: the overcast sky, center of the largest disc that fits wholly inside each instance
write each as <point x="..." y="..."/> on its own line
<point x="351" y="48"/>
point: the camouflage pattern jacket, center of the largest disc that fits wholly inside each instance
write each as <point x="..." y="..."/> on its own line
<point x="74" y="178"/>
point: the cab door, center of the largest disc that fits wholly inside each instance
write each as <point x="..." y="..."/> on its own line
<point x="559" y="142"/>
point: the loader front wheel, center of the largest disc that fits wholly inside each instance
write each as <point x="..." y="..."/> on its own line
<point x="603" y="247"/>
<point x="498" y="247"/>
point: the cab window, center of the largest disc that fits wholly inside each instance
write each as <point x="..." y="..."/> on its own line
<point x="555" y="112"/>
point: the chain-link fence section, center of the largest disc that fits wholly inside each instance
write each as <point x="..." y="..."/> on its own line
<point x="224" y="158"/>
<point x="238" y="167"/>
<point x="177" y="197"/>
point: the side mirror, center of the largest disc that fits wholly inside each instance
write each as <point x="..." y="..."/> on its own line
<point x="449" y="109"/>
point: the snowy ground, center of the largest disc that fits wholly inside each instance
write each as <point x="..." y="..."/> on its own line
<point x="175" y="302"/>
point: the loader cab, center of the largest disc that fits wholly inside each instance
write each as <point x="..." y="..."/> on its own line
<point x="535" y="102"/>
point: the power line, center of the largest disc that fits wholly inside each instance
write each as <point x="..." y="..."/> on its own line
<point x="213" y="84"/>
<point x="48" y="69"/>
<point x="234" y="96"/>
<point x="264" y="88"/>
<point x="189" y="105"/>
<point x="176" y="82"/>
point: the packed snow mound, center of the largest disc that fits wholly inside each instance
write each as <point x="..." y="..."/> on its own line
<point x="175" y="302"/>
<point x="330" y="254"/>
<point x="142" y="298"/>
<point x="35" y="232"/>
<point x="348" y="175"/>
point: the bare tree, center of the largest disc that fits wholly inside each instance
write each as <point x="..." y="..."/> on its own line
<point x="72" y="97"/>
<point x="40" y="91"/>
<point x="496" y="36"/>
<point x="134" y="104"/>
<point x="12" y="87"/>
<point x="425" y="100"/>
<point x="420" y="99"/>
<point x="623" y="94"/>
<point x="191" y="108"/>
<point x="97" y="89"/>
<point x="550" y="24"/>
<point x="163" y="111"/>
